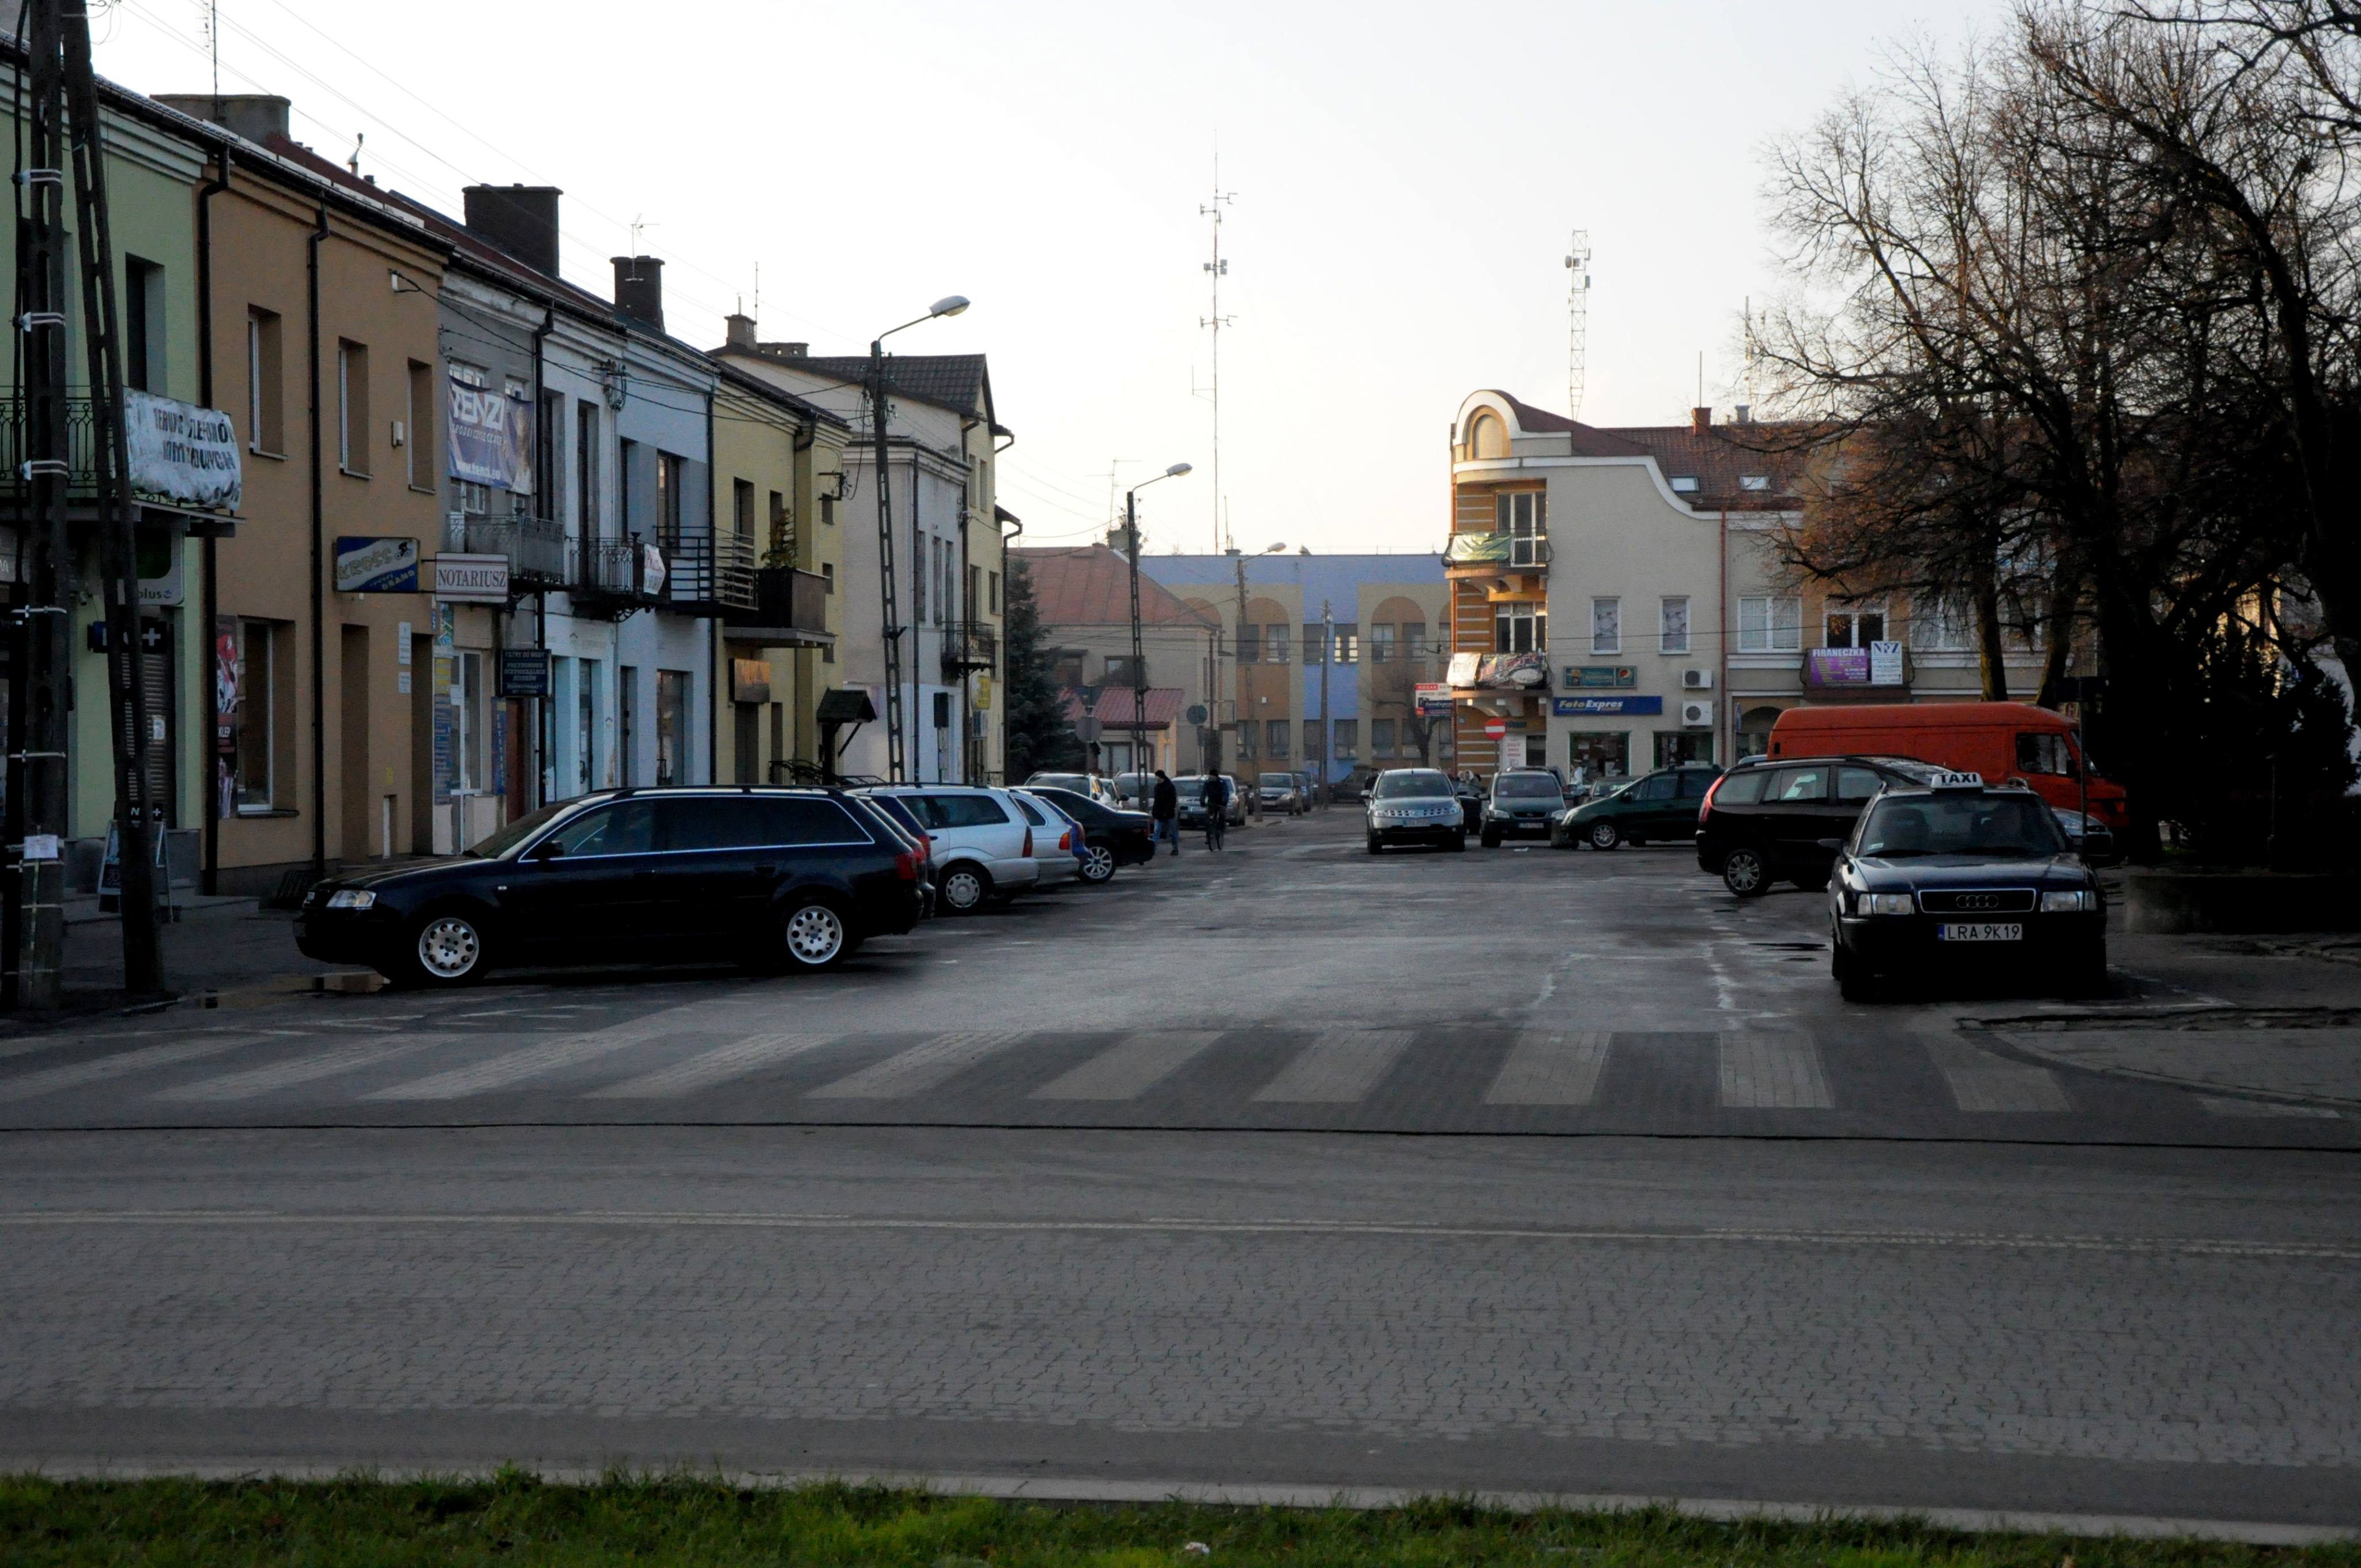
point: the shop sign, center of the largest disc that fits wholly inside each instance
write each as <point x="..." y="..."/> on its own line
<point x="1885" y="663"/>
<point x="1434" y="698"/>
<point x="1584" y="677"/>
<point x="369" y="564"/>
<point x="525" y="672"/>
<point x="749" y="680"/>
<point x="180" y="453"/>
<point x="490" y="437"/>
<point x="1578" y="706"/>
<point x="983" y="697"/>
<point x="1879" y="664"/>
<point x="1462" y="673"/>
<point x="472" y="579"/>
<point x="1511" y="671"/>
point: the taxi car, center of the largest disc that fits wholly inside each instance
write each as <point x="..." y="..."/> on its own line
<point x="1958" y="876"/>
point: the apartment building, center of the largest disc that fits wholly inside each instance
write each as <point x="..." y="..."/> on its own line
<point x="1620" y="602"/>
<point x="1083" y="596"/>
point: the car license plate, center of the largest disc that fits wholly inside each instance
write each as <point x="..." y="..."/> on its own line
<point x="1978" y="931"/>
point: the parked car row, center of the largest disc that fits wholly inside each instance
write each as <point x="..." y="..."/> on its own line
<point x="776" y="877"/>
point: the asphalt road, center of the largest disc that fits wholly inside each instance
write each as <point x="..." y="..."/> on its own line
<point x="1512" y="1171"/>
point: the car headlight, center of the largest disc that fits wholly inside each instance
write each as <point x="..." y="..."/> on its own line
<point x="1882" y="904"/>
<point x="2069" y="900"/>
<point x="350" y="898"/>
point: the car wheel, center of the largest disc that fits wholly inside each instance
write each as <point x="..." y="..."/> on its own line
<point x="446" y="949"/>
<point x="1491" y="838"/>
<point x="1743" y="873"/>
<point x="1604" y="835"/>
<point x="964" y="888"/>
<point x="814" y="935"/>
<point x="1376" y="844"/>
<point x="1098" y="863"/>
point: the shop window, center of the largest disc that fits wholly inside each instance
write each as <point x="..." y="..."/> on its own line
<point x="1673" y="634"/>
<point x="1674" y="747"/>
<point x="671" y="725"/>
<point x="1770" y="624"/>
<point x="1595" y="754"/>
<point x="1606" y="625"/>
<point x="265" y="388"/>
<point x="470" y="773"/>
<point x="261" y="755"/>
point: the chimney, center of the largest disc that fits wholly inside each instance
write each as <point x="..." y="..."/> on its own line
<point x="1700" y="420"/>
<point x="639" y="289"/>
<point x="520" y="219"/>
<point x="742" y="332"/>
<point x="1743" y="413"/>
<point x="257" y="116"/>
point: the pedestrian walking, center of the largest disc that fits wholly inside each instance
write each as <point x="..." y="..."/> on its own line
<point x="1217" y="809"/>
<point x="1164" y="809"/>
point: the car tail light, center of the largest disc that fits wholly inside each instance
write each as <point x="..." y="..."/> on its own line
<point x="906" y="865"/>
<point x="1066" y="840"/>
<point x="1712" y="790"/>
<point x="1029" y="841"/>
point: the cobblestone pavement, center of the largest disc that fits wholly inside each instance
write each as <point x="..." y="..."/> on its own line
<point x="1210" y="1180"/>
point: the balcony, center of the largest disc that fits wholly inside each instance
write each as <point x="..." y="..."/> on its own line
<point x="82" y="465"/>
<point x="969" y="645"/>
<point x="709" y="574"/>
<point x="614" y="577"/>
<point x="790" y="610"/>
<point x="538" y="554"/>
<point x="1496" y="551"/>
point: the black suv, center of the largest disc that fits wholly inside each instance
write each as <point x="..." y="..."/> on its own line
<point x="787" y="878"/>
<point x="1771" y="819"/>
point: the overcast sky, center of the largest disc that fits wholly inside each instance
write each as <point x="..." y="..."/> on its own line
<point x="1405" y="179"/>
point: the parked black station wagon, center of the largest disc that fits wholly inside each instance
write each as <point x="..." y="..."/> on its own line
<point x="786" y="878"/>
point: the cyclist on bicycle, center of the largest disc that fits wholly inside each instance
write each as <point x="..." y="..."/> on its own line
<point x="1217" y="809"/>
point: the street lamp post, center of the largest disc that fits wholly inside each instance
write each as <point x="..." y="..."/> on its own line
<point x="1139" y="652"/>
<point x="890" y="629"/>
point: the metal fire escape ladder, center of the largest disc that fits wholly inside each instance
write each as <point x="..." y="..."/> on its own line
<point x="890" y="632"/>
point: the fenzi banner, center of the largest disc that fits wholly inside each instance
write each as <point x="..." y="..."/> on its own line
<point x="490" y="437"/>
<point x="377" y="565"/>
<point x="180" y="453"/>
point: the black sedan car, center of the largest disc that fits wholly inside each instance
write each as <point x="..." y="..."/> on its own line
<point x="1110" y="838"/>
<point x="1962" y="877"/>
<point x="786" y="878"/>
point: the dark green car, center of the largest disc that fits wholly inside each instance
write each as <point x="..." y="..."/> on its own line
<point x="1660" y="806"/>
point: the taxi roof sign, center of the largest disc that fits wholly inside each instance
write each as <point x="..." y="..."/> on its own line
<point x="1959" y="780"/>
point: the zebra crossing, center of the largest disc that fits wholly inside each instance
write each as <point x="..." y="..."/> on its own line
<point x="717" y="1054"/>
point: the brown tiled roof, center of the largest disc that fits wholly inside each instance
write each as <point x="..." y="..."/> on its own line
<point x="1115" y="705"/>
<point x="1090" y="585"/>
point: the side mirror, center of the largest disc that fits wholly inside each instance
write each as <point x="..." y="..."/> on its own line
<point x="547" y="849"/>
<point x="1833" y="846"/>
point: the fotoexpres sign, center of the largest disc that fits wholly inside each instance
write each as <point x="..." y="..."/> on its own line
<point x="1578" y="706"/>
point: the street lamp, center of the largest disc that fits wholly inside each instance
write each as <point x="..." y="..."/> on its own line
<point x="1138" y="652"/>
<point x="891" y="630"/>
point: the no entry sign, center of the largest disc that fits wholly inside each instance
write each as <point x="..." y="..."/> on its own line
<point x="1498" y="728"/>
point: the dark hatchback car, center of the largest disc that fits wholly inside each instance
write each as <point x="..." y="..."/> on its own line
<point x="1652" y="807"/>
<point x="785" y="878"/>
<point x="1110" y="838"/>
<point x="1958" y="878"/>
<point x="1780" y="820"/>
<point x="1523" y="805"/>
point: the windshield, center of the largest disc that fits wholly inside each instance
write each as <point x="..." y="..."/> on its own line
<point x="1539" y="786"/>
<point x="1992" y="826"/>
<point x="516" y="832"/>
<point x="1412" y="784"/>
<point x="1063" y="781"/>
<point x="1189" y="789"/>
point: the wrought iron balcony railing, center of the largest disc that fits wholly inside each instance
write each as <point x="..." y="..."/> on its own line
<point x="969" y="645"/>
<point x="539" y="555"/>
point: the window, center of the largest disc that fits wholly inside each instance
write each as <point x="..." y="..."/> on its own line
<point x="827" y="577"/>
<point x="1520" y="626"/>
<point x="352" y="407"/>
<point x="1348" y="738"/>
<point x="627" y="469"/>
<point x="1249" y="644"/>
<point x="548" y="433"/>
<point x="1854" y="626"/>
<point x="143" y="324"/>
<point x="586" y="469"/>
<point x="1348" y="647"/>
<point x="1313" y="644"/>
<point x="1246" y="742"/>
<point x="2043" y="753"/>
<point x="958" y="810"/>
<point x="1770" y="625"/>
<point x="1797" y="786"/>
<point x="627" y="723"/>
<point x="1684" y="483"/>
<point x="1743" y="789"/>
<point x="1674" y="747"/>
<point x="626" y="827"/>
<point x="992" y="591"/>
<point x="1655" y="786"/>
<point x="1754" y="482"/>
<point x="1274" y="738"/>
<point x="1523" y="516"/>
<point x="418" y="447"/>
<point x="1381" y="644"/>
<point x="1381" y="737"/>
<point x="1414" y="641"/>
<point x="670" y="472"/>
<point x="828" y="509"/>
<point x="780" y="552"/>
<point x="1673" y="636"/>
<point x="741" y="509"/>
<point x="728" y="822"/>
<point x="1312" y="740"/>
<point x="672" y="724"/>
<point x="468" y="774"/>
<point x="257" y="719"/>
<point x="1857" y="784"/>
<point x="1606" y="625"/>
<point x="1031" y="812"/>
<point x="1487" y="437"/>
<point x="1938" y="627"/>
<point x="1119" y="671"/>
<point x="265" y="400"/>
<point x="1274" y="648"/>
<point x="974" y="593"/>
<point x="920" y="571"/>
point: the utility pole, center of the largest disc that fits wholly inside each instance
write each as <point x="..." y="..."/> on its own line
<point x="1138" y="649"/>
<point x="889" y="604"/>
<point x="1217" y="269"/>
<point x="64" y="91"/>
<point x="1238" y="659"/>
<point x="1327" y="654"/>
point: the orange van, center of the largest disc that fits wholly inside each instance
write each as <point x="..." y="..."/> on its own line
<point x="2001" y="740"/>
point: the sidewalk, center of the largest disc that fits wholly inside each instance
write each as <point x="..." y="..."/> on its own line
<point x="218" y="944"/>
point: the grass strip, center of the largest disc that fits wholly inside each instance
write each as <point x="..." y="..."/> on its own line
<point x="515" y="1519"/>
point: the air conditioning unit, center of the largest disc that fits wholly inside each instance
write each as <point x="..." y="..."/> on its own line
<point x="1697" y="680"/>
<point x="1697" y="715"/>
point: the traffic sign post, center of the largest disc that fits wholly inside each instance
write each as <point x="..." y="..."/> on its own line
<point x="1496" y="729"/>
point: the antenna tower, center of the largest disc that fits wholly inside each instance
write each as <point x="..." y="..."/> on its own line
<point x="1577" y="311"/>
<point x="1216" y="269"/>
